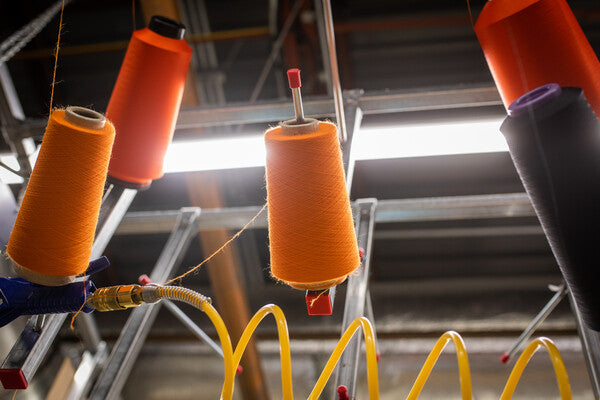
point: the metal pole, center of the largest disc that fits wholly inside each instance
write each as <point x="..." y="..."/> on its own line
<point x="356" y="296"/>
<point x="133" y="335"/>
<point x="335" y="74"/>
<point x="536" y="322"/>
<point x="274" y="50"/>
<point x="590" y="342"/>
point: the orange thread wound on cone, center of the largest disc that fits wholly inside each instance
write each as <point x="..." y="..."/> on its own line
<point x="531" y="43"/>
<point x="54" y="230"/>
<point x="311" y="231"/>
<point x="145" y="103"/>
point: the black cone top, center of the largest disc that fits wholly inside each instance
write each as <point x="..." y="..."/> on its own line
<point x="166" y="27"/>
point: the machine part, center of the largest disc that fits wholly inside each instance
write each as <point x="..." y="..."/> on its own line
<point x="535" y="323"/>
<point x="20" y="297"/>
<point x="356" y="295"/>
<point x="299" y="125"/>
<point x="320" y="302"/>
<point x="116" y="298"/>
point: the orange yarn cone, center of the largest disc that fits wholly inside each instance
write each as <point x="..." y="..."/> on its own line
<point x="52" y="239"/>
<point x="530" y="43"/>
<point x="311" y="232"/>
<point x="145" y="101"/>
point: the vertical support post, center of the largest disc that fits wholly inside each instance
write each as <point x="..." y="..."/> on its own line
<point x="356" y="295"/>
<point x="335" y="74"/>
<point x="590" y="343"/>
<point x="134" y="333"/>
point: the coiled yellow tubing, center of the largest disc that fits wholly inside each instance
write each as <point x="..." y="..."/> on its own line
<point x="232" y="359"/>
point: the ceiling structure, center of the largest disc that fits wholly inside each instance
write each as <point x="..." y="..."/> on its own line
<point x="482" y="276"/>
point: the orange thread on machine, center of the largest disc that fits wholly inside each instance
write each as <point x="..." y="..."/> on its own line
<point x="311" y="233"/>
<point x="145" y="103"/>
<point x="530" y="43"/>
<point x="52" y="238"/>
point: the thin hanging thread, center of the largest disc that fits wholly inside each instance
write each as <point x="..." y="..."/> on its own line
<point x="133" y="14"/>
<point x="470" y="13"/>
<point x="220" y="249"/>
<point x="60" y="22"/>
<point x="71" y="325"/>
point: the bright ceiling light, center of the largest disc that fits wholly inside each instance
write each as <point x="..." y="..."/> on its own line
<point x="371" y="144"/>
<point x="213" y="154"/>
<point x="402" y="141"/>
<point x="422" y="140"/>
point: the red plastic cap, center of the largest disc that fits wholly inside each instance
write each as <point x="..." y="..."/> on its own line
<point x="361" y="253"/>
<point x="239" y="370"/>
<point x="13" y="379"/>
<point x="318" y="304"/>
<point x="144" y="280"/>
<point x="504" y="358"/>
<point x="342" y="392"/>
<point x="294" y="78"/>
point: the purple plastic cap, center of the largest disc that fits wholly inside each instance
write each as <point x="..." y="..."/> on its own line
<point x="535" y="98"/>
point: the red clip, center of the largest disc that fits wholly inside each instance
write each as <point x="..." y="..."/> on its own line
<point x="13" y="379"/>
<point x="144" y="280"/>
<point x="294" y="78"/>
<point x="318" y="303"/>
<point x="342" y="392"/>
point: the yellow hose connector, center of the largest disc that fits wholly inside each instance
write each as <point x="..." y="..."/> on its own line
<point x="114" y="298"/>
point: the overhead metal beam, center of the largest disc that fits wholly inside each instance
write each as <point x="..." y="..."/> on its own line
<point x="322" y="107"/>
<point x="388" y="211"/>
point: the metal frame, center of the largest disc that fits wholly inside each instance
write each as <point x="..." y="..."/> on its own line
<point x="357" y="296"/>
<point x="507" y="205"/>
<point x="135" y="331"/>
<point x="323" y="107"/>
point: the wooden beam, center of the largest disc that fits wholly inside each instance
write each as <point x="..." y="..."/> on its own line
<point x="226" y="280"/>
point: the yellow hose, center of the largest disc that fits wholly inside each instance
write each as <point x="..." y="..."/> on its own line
<point x="372" y="376"/>
<point x="284" y="345"/>
<point x="232" y="359"/>
<point x="201" y="302"/>
<point x="463" y="366"/>
<point x="559" y="369"/>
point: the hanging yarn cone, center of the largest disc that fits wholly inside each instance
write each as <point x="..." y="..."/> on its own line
<point x="530" y="43"/>
<point x="311" y="233"/>
<point x="52" y="239"/>
<point x="145" y="101"/>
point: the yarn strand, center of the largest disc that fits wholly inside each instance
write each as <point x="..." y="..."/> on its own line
<point x="220" y="249"/>
<point x="60" y="23"/>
